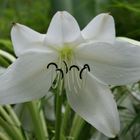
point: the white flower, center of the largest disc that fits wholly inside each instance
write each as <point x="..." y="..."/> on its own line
<point x="85" y="59"/>
<point x="2" y="70"/>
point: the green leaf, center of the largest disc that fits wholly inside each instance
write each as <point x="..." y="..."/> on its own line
<point x="6" y="45"/>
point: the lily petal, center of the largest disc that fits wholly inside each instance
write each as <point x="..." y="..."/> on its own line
<point x="94" y="102"/>
<point x="101" y="28"/>
<point x="2" y="70"/>
<point x="63" y="29"/>
<point x="49" y="108"/>
<point x="24" y="39"/>
<point x="132" y="41"/>
<point x="116" y="64"/>
<point x="27" y="78"/>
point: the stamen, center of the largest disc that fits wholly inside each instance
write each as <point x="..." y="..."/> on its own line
<point x="68" y="82"/>
<point x="52" y="63"/>
<point x="76" y="90"/>
<point x="76" y="81"/>
<point x="86" y="66"/>
<point x="55" y="84"/>
<point x="74" y="66"/>
<point x="68" y="78"/>
<point x="84" y="81"/>
<point x="52" y="75"/>
<point x="61" y="71"/>
<point x="66" y="66"/>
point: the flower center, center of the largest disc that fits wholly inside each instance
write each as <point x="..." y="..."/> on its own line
<point x="66" y="53"/>
<point x="67" y="68"/>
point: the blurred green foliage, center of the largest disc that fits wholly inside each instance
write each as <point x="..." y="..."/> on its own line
<point x="33" y="13"/>
<point x="38" y="13"/>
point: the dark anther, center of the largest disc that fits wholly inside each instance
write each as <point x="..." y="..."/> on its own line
<point x="74" y="66"/>
<point x="66" y="66"/>
<point x="80" y="75"/>
<point x="61" y="71"/>
<point x="86" y="66"/>
<point x="52" y="64"/>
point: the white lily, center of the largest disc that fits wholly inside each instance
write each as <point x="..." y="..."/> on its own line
<point x="86" y="60"/>
<point x="2" y="70"/>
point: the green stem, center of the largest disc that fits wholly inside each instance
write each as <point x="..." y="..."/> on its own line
<point x="10" y="130"/>
<point x="77" y="126"/>
<point x="3" y="62"/>
<point x="4" y="136"/>
<point x="66" y="119"/>
<point x="7" y="55"/>
<point x="38" y="120"/>
<point x="8" y="122"/>
<point x="43" y="121"/>
<point x="13" y="115"/>
<point x="58" y="110"/>
<point x="15" y="119"/>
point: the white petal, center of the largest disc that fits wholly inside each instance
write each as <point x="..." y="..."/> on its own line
<point x="49" y="109"/>
<point x="24" y="39"/>
<point x="132" y="41"/>
<point x="63" y="29"/>
<point x="94" y="103"/>
<point x="116" y="64"/>
<point x="101" y="28"/>
<point x="27" y="78"/>
<point x="25" y="118"/>
<point x="2" y="70"/>
<point x="136" y="95"/>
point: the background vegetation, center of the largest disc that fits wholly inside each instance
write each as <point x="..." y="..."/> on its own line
<point x="37" y="15"/>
